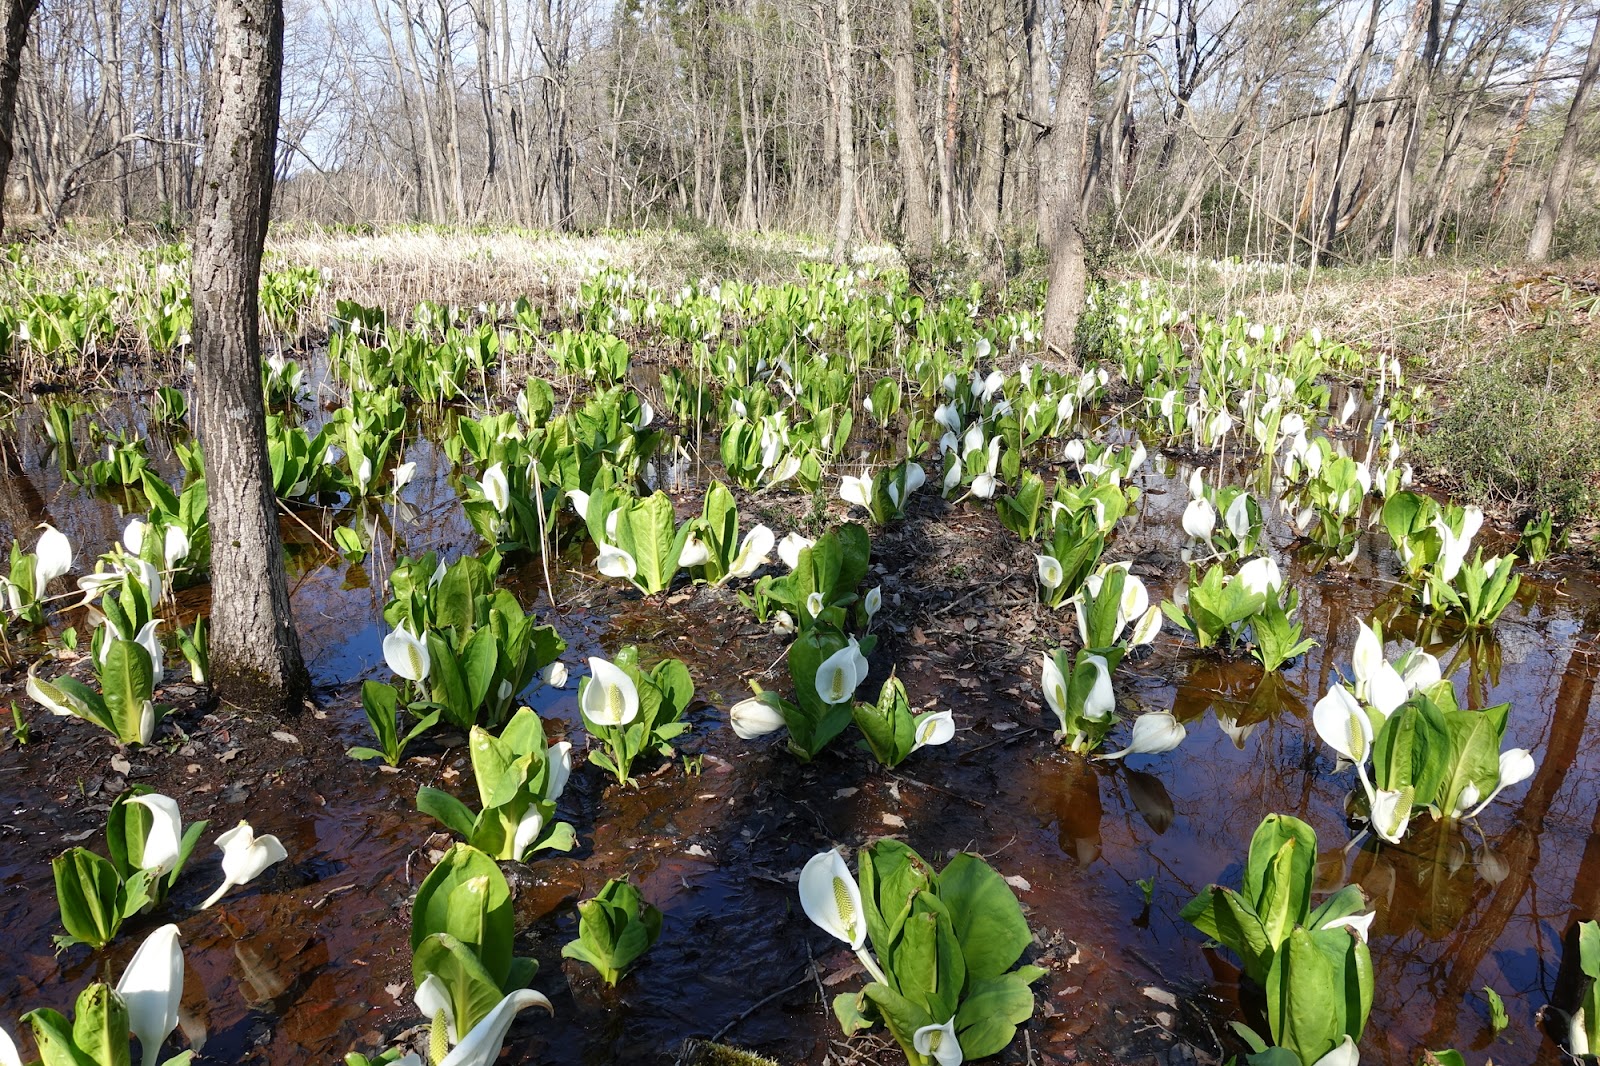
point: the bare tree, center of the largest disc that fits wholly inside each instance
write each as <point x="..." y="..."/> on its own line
<point x="1544" y="224"/>
<point x="913" y="156"/>
<point x="844" y="103"/>
<point x="1063" y="300"/>
<point x="255" y="651"/>
<point x="18" y="14"/>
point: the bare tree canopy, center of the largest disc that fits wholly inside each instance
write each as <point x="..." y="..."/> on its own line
<point x="1284" y="130"/>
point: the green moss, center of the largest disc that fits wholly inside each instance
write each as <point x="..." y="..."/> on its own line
<point x="703" y="1053"/>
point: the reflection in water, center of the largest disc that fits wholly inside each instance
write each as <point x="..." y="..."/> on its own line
<point x="1150" y="799"/>
<point x="1071" y="789"/>
<point x="1458" y="907"/>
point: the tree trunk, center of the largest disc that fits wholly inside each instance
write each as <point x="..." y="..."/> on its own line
<point x="255" y="654"/>
<point x="952" y="113"/>
<point x="1544" y="223"/>
<point x="913" y="156"/>
<point x="1402" y="246"/>
<point x="844" y="100"/>
<point x="1535" y="79"/>
<point x="18" y="14"/>
<point x="991" y="134"/>
<point x="1038" y="117"/>
<point x="1063" y="300"/>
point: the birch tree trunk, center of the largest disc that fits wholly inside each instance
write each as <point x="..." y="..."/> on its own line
<point x="255" y="653"/>
<point x="1544" y="223"/>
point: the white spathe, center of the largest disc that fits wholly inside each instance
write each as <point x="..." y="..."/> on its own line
<point x="482" y="1045"/>
<point x="433" y="999"/>
<point x="832" y="900"/>
<point x="1101" y="703"/>
<point x="165" y="839"/>
<point x="1343" y="724"/>
<point x="152" y="987"/>
<point x="790" y="547"/>
<point x="614" y="562"/>
<point x="1199" y="519"/>
<point x="753" y="552"/>
<point x="52" y="557"/>
<point x="610" y="698"/>
<point x="1154" y="733"/>
<point x="244" y="857"/>
<point x="839" y="676"/>
<point x="856" y="490"/>
<point x="939" y="1042"/>
<point x="1050" y="572"/>
<point x="754" y="718"/>
<point x="558" y="759"/>
<point x="1055" y="687"/>
<point x="407" y="654"/>
<point x="1260" y="576"/>
<point x="695" y="552"/>
<point x="496" y="489"/>
<point x="1359" y="924"/>
<point x="935" y="729"/>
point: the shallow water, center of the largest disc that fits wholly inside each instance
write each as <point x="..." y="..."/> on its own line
<point x="310" y="961"/>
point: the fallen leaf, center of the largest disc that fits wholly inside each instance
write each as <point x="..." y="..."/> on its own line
<point x="287" y="738"/>
<point x="846" y="793"/>
<point x="121" y="765"/>
<point x="1018" y="882"/>
<point x="1160" y="995"/>
<point x="843" y="973"/>
<point x="894" y="821"/>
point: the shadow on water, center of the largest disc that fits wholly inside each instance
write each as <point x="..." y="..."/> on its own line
<point x="313" y="961"/>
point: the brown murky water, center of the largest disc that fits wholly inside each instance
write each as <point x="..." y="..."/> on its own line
<point x="311" y="960"/>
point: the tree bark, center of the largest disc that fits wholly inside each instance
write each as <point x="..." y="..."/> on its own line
<point x="1544" y="223"/>
<point x="255" y="653"/>
<point x="18" y="14"/>
<point x="991" y="133"/>
<point x="1068" y="279"/>
<point x="952" y="115"/>
<point x="913" y="156"/>
<point x="1403" y="243"/>
<point x="846" y="125"/>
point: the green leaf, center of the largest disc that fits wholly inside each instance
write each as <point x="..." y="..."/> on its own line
<point x="473" y="990"/>
<point x="449" y="684"/>
<point x="890" y="876"/>
<point x="985" y="916"/>
<point x="100" y="1025"/>
<point x="53" y="1034"/>
<point x="455" y="815"/>
<point x="1304" y="1001"/>
<point x="478" y="665"/>
<point x="1278" y="882"/>
<point x="466" y="896"/>
<point x="850" y="1009"/>
<point x="87" y="891"/>
<point x="126" y="679"/>
<point x="992" y="1010"/>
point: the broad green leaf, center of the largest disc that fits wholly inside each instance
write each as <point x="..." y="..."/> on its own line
<point x="985" y="916"/>
<point x="1304" y="999"/>
<point x="992" y="1010"/>
<point x="100" y="1025"/>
